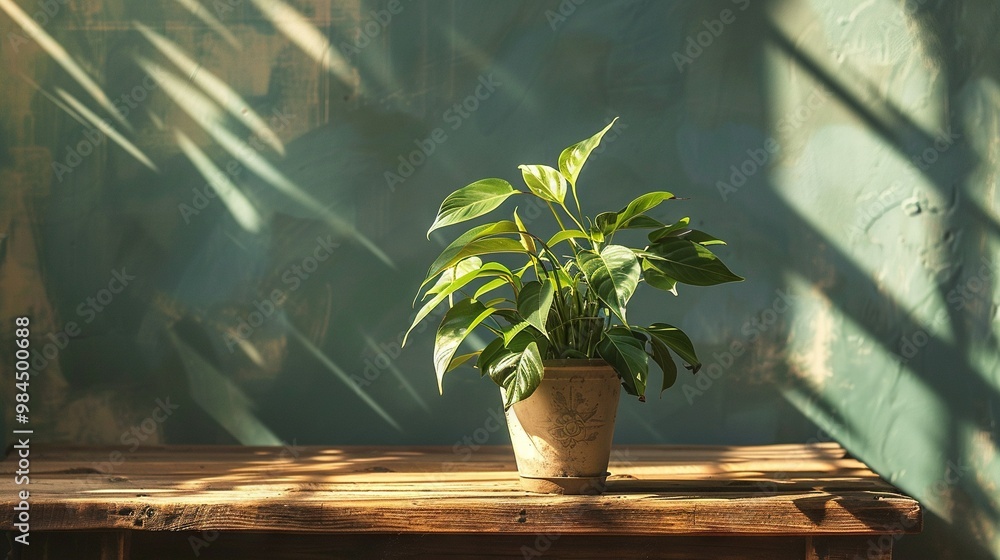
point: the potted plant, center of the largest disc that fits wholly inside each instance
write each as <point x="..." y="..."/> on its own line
<point x="562" y="347"/>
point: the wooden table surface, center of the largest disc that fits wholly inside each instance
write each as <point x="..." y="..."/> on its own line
<point x="777" y="501"/>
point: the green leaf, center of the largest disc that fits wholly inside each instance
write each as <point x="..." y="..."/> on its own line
<point x="490" y="354"/>
<point x="478" y="247"/>
<point x="596" y="235"/>
<point x="657" y="279"/>
<point x="620" y="348"/>
<point x="487" y="270"/>
<point x="513" y="330"/>
<point x="661" y="355"/>
<point x="571" y="159"/>
<point x="489" y="287"/>
<point x="459" y="360"/>
<point x="565" y="234"/>
<point x="642" y="221"/>
<point x="495" y="302"/>
<point x="458" y="322"/>
<point x="528" y="372"/>
<point x="641" y="205"/>
<point x="701" y="238"/>
<point x="666" y="231"/>
<point x="677" y="341"/>
<point x="499" y="357"/>
<point x="463" y="267"/>
<point x="613" y="274"/>
<point x="690" y="263"/>
<point x="681" y="230"/>
<point x="472" y="201"/>
<point x="533" y="303"/>
<point x="547" y="183"/>
<point x="526" y="240"/>
<point x="478" y="232"/>
<point x="609" y="222"/>
<point x="605" y="222"/>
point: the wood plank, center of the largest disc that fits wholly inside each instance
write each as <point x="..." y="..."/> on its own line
<point x="686" y="490"/>
<point x="636" y="514"/>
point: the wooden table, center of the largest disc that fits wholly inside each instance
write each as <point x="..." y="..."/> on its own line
<point x="770" y="502"/>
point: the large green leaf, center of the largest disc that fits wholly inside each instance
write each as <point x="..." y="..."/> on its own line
<point x="458" y="322"/>
<point x="690" y="263"/>
<point x="533" y="303"/>
<point x="571" y="159"/>
<point x="485" y="271"/>
<point x="527" y="375"/>
<point x="677" y="341"/>
<point x="478" y="247"/>
<point x="620" y="348"/>
<point x="453" y="248"/>
<point x="547" y="183"/>
<point x="472" y="201"/>
<point x="613" y="274"/>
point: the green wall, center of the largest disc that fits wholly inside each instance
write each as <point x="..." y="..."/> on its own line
<point x="849" y="151"/>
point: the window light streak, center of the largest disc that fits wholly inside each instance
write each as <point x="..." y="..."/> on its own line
<point x="304" y="34"/>
<point x="336" y="370"/>
<point x="222" y="399"/>
<point x="395" y="371"/>
<point x="217" y="89"/>
<point x="63" y="58"/>
<point x="56" y="101"/>
<point x="107" y="129"/>
<point x="203" y="14"/>
<point x="206" y="113"/>
<point x="235" y="201"/>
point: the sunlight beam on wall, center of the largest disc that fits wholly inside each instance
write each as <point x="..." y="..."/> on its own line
<point x="210" y="117"/>
<point x="107" y="129"/>
<point x="217" y="89"/>
<point x="201" y="13"/>
<point x="236" y="202"/>
<point x="341" y="375"/>
<point x="63" y="58"/>
<point x="304" y="34"/>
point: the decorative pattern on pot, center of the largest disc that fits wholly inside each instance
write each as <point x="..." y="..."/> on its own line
<point x="575" y="420"/>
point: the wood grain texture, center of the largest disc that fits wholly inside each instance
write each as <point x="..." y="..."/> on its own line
<point x="781" y="490"/>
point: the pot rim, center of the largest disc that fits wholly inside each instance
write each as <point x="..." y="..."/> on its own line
<point x="575" y="362"/>
<point x="565" y="368"/>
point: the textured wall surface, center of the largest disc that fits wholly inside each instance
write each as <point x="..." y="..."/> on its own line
<point x="220" y="205"/>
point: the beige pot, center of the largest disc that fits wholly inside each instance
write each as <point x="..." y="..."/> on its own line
<point x="562" y="433"/>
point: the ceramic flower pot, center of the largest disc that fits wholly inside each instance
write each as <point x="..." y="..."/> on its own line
<point x="562" y="433"/>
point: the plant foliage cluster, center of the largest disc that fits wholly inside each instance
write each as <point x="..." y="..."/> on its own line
<point x="569" y="306"/>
